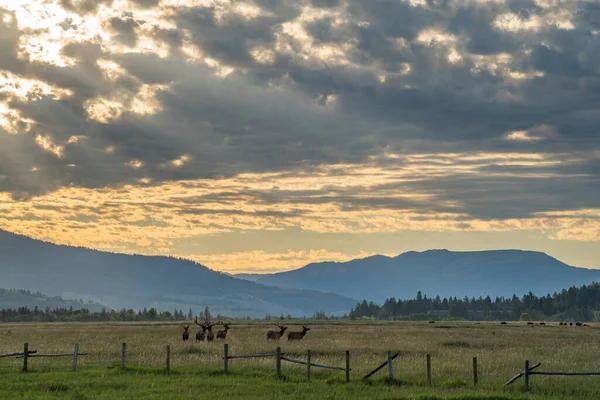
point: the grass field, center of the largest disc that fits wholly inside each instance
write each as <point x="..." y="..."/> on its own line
<point x="196" y="369"/>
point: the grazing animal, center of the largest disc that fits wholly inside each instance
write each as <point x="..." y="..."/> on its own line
<point x="210" y="335"/>
<point x="298" y="335"/>
<point x="570" y="324"/>
<point x="432" y="322"/>
<point x="223" y="334"/>
<point x="503" y="323"/>
<point x="560" y="323"/>
<point x="201" y="334"/>
<point x="185" y="335"/>
<point x="542" y="323"/>
<point x="274" y="335"/>
<point x="578" y="323"/>
<point x="530" y="323"/>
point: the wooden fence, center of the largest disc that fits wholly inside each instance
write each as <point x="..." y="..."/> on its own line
<point x="278" y="355"/>
<point x="26" y="354"/>
<point x="530" y="370"/>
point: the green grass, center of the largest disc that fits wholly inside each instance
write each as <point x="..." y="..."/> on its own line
<point x="196" y="368"/>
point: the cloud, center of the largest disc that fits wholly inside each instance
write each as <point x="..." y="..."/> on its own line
<point x="477" y="113"/>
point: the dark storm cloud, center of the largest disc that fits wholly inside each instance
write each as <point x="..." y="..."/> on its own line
<point x="297" y="110"/>
<point x="126" y="28"/>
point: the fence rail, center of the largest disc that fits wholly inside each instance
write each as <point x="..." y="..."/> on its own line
<point x="279" y="356"/>
<point x="530" y="370"/>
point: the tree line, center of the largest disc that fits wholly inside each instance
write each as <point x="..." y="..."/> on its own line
<point x="573" y="304"/>
<point x="58" y="314"/>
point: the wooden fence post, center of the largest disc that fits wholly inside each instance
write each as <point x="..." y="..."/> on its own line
<point x="123" y="352"/>
<point x="225" y="357"/>
<point x="475" y="371"/>
<point x="308" y="366"/>
<point x="25" y="355"/>
<point x="347" y="366"/>
<point x="390" y="367"/>
<point x="429" y="369"/>
<point x="168" y="359"/>
<point x="526" y="374"/>
<point x="75" y="353"/>
<point x="278" y="361"/>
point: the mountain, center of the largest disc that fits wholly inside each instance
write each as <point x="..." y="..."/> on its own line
<point x="437" y="272"/>
<point x="135" y="281"/>
<point x="250" y="277"/>
<point x="23" y="298"/>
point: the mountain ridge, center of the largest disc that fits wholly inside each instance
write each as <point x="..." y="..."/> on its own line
<point x="137" y="281"/>
<point x="437" y="272"/>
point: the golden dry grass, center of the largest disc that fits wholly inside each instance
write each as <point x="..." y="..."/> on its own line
<point x="501" y="351"/>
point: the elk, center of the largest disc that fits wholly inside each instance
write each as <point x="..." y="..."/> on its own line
<point x="201" y="332"/>
<point x="223" y="334"/>
<point x="185" y="335"/>
<point x="274" y="335"/>
<point x="298" y="335"/>
<point x="210" y="335"/>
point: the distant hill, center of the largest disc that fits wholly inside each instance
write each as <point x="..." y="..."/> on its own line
<point x="23" y="298"/>
<point x="134" y="281"/>
<point x="437" y="272"/>
<point x="250" y="277"/>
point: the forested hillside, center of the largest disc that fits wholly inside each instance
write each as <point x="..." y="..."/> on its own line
<point x="573" y="304"/>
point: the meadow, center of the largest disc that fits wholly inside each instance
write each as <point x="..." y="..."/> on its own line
<point x="197" y="368"/>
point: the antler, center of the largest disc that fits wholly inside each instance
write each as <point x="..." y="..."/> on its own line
<point x="184" y="326"/>
<point x="196" y="322"/>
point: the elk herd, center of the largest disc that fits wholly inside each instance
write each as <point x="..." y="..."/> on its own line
<point x="205" y="332"/>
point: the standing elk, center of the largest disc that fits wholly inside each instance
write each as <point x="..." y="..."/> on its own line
<point x="210" y="335"/>
<point x="201" y="334"/>
<point x="298" y="335"/>
<point x="274" y="335"/>
<point x="223" y="334"/>
<point x="186" y="334"/>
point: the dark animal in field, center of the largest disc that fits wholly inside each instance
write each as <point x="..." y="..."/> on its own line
<point x="503" y="323"/>
<point x="542" y="323"/>
<point x="570" y="324"/>
<point x="530" y="323"/>
<point x="185" y="335"/>
<point x="560" y="323"/>
<point x="210" y="335"/>
<point x="223" y="334"/>
<point x="578" y="323"/>
<point x="432" y="322"/>
<point x="298" y="335"/>
<point x="274" y="335"/>
<point x="201" y="334"/>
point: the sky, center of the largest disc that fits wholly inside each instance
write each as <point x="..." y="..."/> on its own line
<point x="262" y="135"/>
